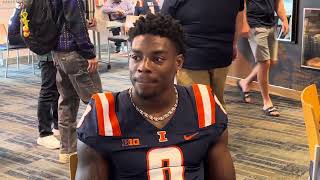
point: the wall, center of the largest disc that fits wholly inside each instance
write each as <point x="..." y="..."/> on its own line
<point x="287" y="73"/>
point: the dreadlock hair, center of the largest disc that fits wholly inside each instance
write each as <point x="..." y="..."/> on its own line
<point x="159" y="25"/>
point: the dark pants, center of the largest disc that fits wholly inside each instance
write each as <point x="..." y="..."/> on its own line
<point x="48" y="98"/>
<point x="115" y="32"/>
<point x="74" y="82"/>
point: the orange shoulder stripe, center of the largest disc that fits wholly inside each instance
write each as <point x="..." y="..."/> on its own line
<point x="112" y="115"/>
<point x="99" y="114"/>
<point x="205" y="105"/>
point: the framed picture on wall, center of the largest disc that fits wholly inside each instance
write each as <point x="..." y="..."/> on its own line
<point x="291" y="7"/>
<point x="310" y="56"/>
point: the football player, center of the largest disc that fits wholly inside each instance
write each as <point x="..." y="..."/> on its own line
<point x="154" y="130"/>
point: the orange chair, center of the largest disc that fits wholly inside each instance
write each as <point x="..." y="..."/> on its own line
<point x="311" y="112"/>
<point x="73" y="160"/>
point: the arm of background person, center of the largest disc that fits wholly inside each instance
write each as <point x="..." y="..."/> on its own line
<point x="74" y="15"/>
<point x="220" y="164"/>
<point x="281" y="12"/>
<point x="91" y="165"/>
<point x="238" y="31"/>
<point x="107" y="8"/>
<point x="239" y="25"/>
<point x="245" y="25"/>
<point x="129" y="10"/>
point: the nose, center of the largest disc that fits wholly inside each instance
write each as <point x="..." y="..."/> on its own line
<point x="144" y="65"/>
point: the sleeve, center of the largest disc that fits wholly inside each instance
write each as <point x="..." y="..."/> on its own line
<point x="212" y="117"/>
<point x="87" y="126"/>
<point x="130" y="9"/>
<point x="241" y="7"/>
<point x="75" y="17"/>
<point x="107" y="8"/>
<point x="221" y="118"/>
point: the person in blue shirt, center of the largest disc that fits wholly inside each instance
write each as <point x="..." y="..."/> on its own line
<point x="146" y="6"/>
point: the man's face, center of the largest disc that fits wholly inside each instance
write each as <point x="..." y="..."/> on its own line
<point x="153" y="64"/>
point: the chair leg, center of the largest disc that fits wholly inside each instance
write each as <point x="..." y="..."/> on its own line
<point x="28" y="56"/>
<point x="315" y="163"/>
<point x="109" y="59"/>
<point x="18" y="58"/>
<point x="2" y="63"/>
<point x="128" y="51"/>
<point x="6" y="72"/>
<point x="99" y="46"/>
<point x="32" y="64"/>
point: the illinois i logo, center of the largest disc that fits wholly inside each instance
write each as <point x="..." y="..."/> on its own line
<point x="162" y="136"/>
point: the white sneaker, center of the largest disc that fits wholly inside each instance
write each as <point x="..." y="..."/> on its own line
<point x="56" y="132"/>
<point x="49" y="142"/>
<point x="64" y="158"/>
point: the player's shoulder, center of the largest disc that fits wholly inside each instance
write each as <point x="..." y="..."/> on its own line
<point x="101" y="115"/>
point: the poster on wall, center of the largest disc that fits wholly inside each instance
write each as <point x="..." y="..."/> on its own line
<point x="310" y="56"/>
<point x="291" y="7"/>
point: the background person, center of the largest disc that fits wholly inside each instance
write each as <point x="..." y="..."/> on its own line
<point x="260" y="23"/>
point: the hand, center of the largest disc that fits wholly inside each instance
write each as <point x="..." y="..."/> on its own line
<point x="92" y="23"/>
<point x="285" y="27"/>
<point x="19" y="4"/>
<point x="120" y="12"/>
<point x="93" y="65"/>
<point x="245" y="30"/>
<point x="235" y="52"/>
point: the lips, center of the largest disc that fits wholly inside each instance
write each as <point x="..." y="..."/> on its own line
<point x="144" y="80"/>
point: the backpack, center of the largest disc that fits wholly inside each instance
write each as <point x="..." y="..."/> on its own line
<point x="40" y="30"/>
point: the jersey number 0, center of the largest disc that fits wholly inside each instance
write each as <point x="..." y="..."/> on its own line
<point x="165" y="162"/>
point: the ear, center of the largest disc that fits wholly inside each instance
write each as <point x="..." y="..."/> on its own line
<point x="179" y="61"/>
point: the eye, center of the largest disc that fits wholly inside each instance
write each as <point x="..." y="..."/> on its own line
<point x="158" y="59"/>
<point x="135" y="57"/>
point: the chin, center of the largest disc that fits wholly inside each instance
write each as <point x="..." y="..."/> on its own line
<point x="145" y="92"/>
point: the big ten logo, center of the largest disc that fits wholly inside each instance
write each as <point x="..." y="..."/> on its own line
<point x="130" y="142"/>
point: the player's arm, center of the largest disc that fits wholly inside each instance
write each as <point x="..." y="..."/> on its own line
<point x="220" y="164"/>
<point x="91" y="165"/>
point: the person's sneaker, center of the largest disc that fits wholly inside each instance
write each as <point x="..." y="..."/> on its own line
<point x="64" y="158"/>
<point x="56" y="132"/>
<point x="49" y="142"/>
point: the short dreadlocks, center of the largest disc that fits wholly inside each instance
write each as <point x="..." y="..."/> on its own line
<point x="161" y="25"/>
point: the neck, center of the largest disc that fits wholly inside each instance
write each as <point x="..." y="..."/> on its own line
<point x="158" y="104"/>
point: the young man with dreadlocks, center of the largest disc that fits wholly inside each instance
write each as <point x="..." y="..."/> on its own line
<point x="156" y="129"/>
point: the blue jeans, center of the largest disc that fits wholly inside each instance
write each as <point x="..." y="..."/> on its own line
<point x="48" y="97"/>
<point x="74" y="82"/>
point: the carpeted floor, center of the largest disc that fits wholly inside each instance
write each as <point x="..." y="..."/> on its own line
<point x="262" y="147"/>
